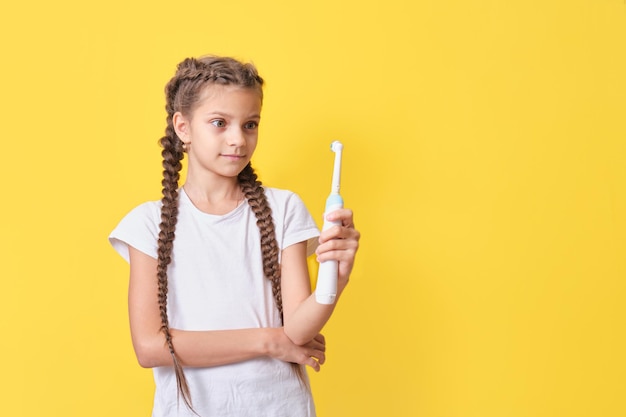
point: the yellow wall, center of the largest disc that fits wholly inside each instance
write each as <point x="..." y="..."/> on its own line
<point x="485" y="158"/>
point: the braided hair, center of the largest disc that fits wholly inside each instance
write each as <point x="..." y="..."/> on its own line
<point x="183" y="93"/>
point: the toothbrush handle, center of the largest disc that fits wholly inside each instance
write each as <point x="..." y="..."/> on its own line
<point x="326" y="287"/>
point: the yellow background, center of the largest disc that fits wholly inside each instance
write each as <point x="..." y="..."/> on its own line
<point x="485" y="158"/>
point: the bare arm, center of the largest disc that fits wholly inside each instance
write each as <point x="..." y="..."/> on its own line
<point x="304" y="316"/>
<point x="202" y="348"/>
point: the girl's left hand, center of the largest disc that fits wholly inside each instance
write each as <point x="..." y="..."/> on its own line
<point x="340" y="243"/>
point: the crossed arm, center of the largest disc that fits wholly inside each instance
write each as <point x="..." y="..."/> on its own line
<point x="297" y="341"/>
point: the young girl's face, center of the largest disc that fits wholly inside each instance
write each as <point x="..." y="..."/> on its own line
<point x="221" y="132"/>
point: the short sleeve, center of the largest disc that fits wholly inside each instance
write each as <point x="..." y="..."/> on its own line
<point x="139" y="229"/>
<point x="298" y="225"/>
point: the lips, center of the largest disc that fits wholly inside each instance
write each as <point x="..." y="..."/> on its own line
<point x="233" y="157"/>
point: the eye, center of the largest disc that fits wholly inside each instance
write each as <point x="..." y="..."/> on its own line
<point x="251" y="125"/>
<point x="218" y="123"/>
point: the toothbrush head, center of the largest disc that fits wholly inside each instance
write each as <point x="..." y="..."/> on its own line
<point x="336" y="146"/>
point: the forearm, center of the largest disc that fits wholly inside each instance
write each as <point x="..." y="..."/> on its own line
<point x="304" y="316"/>
<point x="308" y="319"/>
<point x="206" y="348"/>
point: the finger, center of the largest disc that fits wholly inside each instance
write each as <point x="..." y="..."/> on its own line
<point x="339" y="232"/>
<point x="316" y="345"/>
<point x="318" y="355"/>
<point x="345" y="215"/>
<point x="320" y="338"/>
<point x="333" y="232"/>
<point x="336" y="238"/>
<point x="337" y="249"/>
<point x="312" y="363"/>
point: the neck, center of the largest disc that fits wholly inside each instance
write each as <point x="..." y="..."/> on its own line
<point x="217" y="199"/>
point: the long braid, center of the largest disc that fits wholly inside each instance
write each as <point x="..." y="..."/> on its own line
<point x="255" y="194"/>
<point x="172" y="156"/>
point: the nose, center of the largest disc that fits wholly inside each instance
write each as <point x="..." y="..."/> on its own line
<point x="236" y="137"/>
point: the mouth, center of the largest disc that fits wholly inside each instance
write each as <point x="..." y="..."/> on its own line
<point x="234" y="157"/>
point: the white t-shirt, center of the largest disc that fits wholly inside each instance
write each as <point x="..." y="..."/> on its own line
<point x="216" y="282"/>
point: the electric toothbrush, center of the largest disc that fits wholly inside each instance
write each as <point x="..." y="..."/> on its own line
<point x="326" y="287"/>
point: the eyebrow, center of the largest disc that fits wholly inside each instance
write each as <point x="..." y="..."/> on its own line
<point x="227" y="115"/>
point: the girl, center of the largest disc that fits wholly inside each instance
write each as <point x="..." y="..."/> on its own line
<point x="219" y="283"/>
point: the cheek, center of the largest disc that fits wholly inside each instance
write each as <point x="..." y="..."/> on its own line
<point x="252" y="142"/>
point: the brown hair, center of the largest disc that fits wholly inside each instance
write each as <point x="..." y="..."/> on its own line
<point x="183" y="92"/>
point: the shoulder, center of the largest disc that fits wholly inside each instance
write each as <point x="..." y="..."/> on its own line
<point x="280" y="196"/>
<point x="150" y="211"/>
<point x="284" y="201"/>
<point x="277" y="192"/>
<point x="287" y="206"/>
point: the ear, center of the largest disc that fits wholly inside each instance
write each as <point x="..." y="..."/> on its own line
<point x="181" y="126"/>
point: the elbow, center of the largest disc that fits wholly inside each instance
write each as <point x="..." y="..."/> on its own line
<point x="144" y="361"/>
<point x="150" y="354"/>
<point x="300" y="341"/>
<point x="297" y="337"/>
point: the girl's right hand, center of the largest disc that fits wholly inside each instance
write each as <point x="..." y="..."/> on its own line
<point x="311" y="354"/>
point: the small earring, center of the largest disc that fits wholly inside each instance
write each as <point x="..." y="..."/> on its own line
<point x="186" y="146"/>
